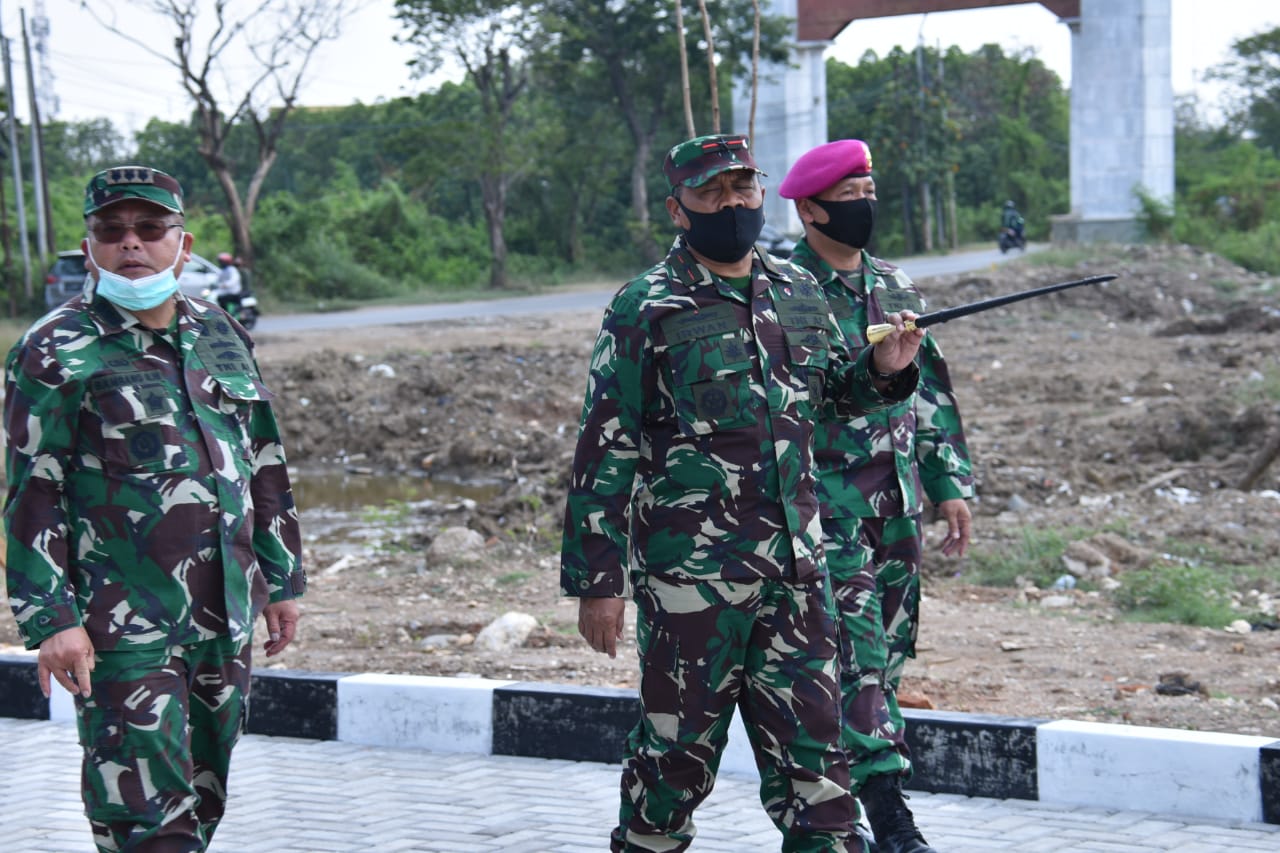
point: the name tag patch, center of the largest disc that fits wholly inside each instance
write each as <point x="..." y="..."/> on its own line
<point x="703" y="323"/>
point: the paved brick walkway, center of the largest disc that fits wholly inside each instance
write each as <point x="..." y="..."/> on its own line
<point x="320" y="796"/>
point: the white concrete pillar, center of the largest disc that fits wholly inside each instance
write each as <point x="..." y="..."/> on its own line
<point x="1121" y="116"/>
<point x="791" y="115"/>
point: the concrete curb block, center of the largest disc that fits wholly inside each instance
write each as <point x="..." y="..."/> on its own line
<point x="1133" y="768"/>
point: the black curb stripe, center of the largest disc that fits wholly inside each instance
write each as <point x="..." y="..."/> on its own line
<point x="560" y="721"/>
<point x="1269" y="782"/>
<point x="979" y="755"/>
<point x="294" y="703"/>
<point x="20" y="695"/>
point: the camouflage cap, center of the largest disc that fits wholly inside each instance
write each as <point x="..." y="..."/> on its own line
<point x="122" y="182"/>
<point x="696" y="161"/>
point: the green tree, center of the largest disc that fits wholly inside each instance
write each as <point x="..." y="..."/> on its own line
<point x="280" y="37"/>
<point x="634" y="45"/>
<point x="488" y="39"/>
<point x="995" y="126"/>
<point x="80" y="148"/>
<point x="1255" y="69"/>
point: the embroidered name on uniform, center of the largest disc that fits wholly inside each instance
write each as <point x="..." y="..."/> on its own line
<point x="803" y="311"/>
<point x="113" y="381"/>
<point x="703" y="323"/>
<point x="893" y="301"/>
<point x="222" y="351"/>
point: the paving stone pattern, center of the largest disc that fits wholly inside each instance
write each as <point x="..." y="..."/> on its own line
<point x="314" y="796"/>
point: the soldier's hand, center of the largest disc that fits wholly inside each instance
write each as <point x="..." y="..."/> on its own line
<point x="956" y="512"/>
<point x="600" y="623"/>
<point x="282" y="625"/>
<point x="68" y="657"/>
<point x="899" y="349"/>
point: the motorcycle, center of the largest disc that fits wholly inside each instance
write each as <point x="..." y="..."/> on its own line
<point x="1011" y="239"/>
<point x="244" y="308"/>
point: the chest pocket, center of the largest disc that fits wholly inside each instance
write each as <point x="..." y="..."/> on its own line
<point x="891" y="301"/>
<point x="227" y="359"/>
<point x="804" y="319"/>
<point x="709" y="359"/>
<point x="141" y="422"/>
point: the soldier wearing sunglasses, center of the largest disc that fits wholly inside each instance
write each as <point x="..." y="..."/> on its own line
<point x="693" y="491"/>
<point x="150" y="520"/>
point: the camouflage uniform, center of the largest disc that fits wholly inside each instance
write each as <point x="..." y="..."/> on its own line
<point x="148" y="503"/>
<point x="874" y="472"/>
<point x="693" y="471"/>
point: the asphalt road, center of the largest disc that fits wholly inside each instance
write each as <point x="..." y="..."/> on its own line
<point x="390" y="315"/>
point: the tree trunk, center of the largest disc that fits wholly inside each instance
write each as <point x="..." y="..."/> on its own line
<point x="642" y="224"/>
<point x="237" y="221"/>
<point x="493" y="189"/>
<point x="926" y="217"/>
<point x="908" y="226"/>
<point x="951" y="210"/>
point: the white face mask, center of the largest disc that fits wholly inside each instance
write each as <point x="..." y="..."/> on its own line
<point x="138" y="294"/>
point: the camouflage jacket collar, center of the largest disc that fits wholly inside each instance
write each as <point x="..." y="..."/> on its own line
<point x="112" y="319"/>
<point x="683" y="269"/>
<point x="805" y="256"/>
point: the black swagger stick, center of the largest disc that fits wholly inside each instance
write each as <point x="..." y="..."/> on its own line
<point x="880" y="331"/>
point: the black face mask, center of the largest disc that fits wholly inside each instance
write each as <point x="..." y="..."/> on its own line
<point x="848" y="222"/>
<point x="726" y="235"/>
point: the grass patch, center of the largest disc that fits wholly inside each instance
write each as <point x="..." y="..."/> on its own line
<point x="392" y="512"/>
<point x="1065" y="256"/>
<point x="1036" y="558"/>
<point x="513" y="577"/>
<point x="1188" y="594"/>
<point x="1267" y="387"/>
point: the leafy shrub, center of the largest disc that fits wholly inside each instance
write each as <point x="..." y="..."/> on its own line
<point x="1180" y="592"/>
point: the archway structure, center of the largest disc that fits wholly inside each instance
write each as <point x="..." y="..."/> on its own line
<point x="1121" y="102"/>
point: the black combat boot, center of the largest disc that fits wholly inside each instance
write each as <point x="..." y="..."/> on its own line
<point x="891" y="821"/>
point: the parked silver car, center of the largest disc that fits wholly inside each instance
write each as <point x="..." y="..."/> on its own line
<point x="66" y="277"/>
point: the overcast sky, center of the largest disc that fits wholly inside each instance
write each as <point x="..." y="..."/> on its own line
<point x="96" y="73"/>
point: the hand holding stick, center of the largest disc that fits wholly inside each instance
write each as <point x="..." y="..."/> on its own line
<point x="880" y="331"/>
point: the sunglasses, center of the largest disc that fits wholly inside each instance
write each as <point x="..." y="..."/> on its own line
<point x="148" y="230"/>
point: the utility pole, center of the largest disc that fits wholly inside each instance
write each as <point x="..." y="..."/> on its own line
<point x="15" y="161"/>
<point x="926" y="197"/>
<point x="39" y="181"/>
<point x="49" y="104"/>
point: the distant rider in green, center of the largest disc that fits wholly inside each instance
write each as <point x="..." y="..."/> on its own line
<point x="150" y="520"/>
<point x="694" y="492"/>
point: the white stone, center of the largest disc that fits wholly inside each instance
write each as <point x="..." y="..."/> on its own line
<point x="508" y="631"/>
<point x="455" y="544"/>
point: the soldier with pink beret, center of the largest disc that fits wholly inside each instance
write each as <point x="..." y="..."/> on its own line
<point x="875" y="473"/>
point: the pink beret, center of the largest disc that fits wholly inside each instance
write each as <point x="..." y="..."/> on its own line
<point x="821" y="168"/>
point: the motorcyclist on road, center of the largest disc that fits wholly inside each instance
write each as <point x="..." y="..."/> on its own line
<point x="1012" y="220"/>
<point x="228" y="288"/>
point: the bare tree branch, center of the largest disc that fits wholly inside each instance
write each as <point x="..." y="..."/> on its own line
<point x="755" y="67"/>
<point x="684" y="69"/>
<point x="711" y="66"/>
<point x="281" y="36"/>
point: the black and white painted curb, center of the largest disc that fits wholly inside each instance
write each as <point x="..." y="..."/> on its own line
<point x="1131" y="768"/>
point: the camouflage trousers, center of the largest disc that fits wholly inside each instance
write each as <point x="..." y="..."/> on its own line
<point x="157" y="734"/>
<point x="875" y="575"/>
<point x="767" y="649"/>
